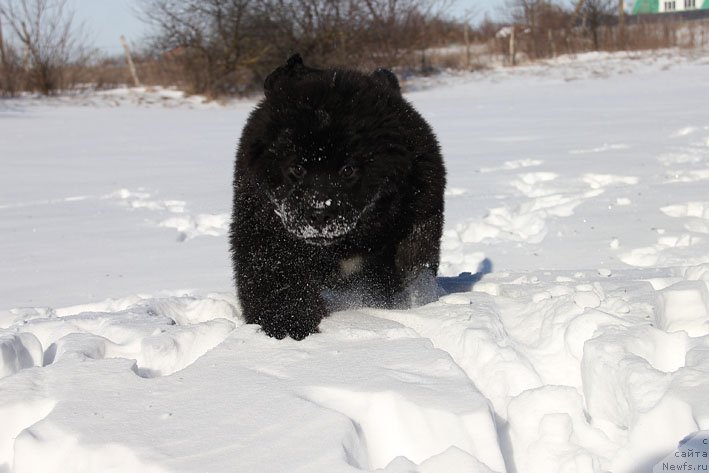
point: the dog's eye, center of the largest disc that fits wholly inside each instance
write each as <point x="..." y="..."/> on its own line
<point x="347" y="171"/>
<point x="297" y="171"/>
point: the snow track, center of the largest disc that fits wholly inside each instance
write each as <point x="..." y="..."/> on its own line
<point x="580" y="345"/>
<point x="370" y="386"/>
<point x="523" y="374"/>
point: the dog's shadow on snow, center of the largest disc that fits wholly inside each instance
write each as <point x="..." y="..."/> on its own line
<point x="423" y="290"/>
<point x="464" y="282"/>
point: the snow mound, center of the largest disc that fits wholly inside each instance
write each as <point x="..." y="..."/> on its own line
<point x="567" y="370"/>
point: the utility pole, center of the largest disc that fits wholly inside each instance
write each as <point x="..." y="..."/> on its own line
<point x="469" y="13"/>
<point x="129" y="60"/>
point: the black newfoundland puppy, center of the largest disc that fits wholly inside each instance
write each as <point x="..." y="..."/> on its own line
<point x="338" y="189"/>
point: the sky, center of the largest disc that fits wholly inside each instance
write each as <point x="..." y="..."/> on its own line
<point x="106" y="20"/>
<point x="478" y="8"/>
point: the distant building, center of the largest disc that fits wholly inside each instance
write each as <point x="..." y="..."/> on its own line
<point x="642" y="7"/>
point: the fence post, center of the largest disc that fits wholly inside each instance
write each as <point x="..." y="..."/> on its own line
<point x="466" y="37"/>
<point x="621" y="23"/>
<point x="552" y="43"/>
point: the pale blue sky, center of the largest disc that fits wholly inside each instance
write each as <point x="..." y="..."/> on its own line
<point x="478" y="7"/>
<point x="106" y="20"/>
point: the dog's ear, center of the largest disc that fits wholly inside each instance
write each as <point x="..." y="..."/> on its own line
<point x="293" y="68"/>
<point x="387" y="79"/>
<point x="294" y="60"/>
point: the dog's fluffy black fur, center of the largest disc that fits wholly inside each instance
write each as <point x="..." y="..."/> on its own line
<point x="338" y="186"/>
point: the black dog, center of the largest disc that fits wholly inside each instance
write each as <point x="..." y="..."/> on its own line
<point x="338" y="186"/>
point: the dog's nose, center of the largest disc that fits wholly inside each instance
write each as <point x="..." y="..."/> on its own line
<point x="321" y="216"/>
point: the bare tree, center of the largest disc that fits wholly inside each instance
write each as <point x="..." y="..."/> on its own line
<point x="7" y="74"/>
<point x="51" y="44"/>
<point x="2" y="44"/>
<point x="542" y="21"/>
<point x="528" y="13"/>
<point x="213" y="40"/>
<point x="594" y="14"/>
<point x="10" y="70"/>
<point x="400" y="27"/>
<point x="227" y="46"/>
<point x="324" y="30"/>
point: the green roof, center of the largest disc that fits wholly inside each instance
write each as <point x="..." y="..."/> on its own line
<point x="648" y="6"/>
<point x="653" y="6"/>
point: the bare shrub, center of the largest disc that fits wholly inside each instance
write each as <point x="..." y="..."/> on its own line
<point x="542" y="24"/>
<point x="11" y="76"/>
<point x="53" y="49"/>
<point x="211" y="41"/>
<point x="228" y="46"/>
<point x="596" y="14"/>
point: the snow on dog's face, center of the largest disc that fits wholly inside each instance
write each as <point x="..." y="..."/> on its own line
<point x="318" y="197"/>
<point x="334" y="148"/>
<point x="321" y="183"/>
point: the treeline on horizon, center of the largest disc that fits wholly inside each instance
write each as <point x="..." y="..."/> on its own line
<point x="227" y="47"/>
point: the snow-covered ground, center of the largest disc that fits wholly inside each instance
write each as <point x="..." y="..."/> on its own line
<point x="578" y="189"/>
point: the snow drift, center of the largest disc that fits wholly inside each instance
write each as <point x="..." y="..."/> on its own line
<point x="578" y="340"/>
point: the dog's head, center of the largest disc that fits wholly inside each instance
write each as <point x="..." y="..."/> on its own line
<point x="333" y="147"/>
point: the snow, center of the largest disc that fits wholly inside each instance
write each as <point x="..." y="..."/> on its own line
<point x="576" y="339"/>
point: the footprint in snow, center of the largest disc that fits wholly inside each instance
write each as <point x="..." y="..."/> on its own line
<point x="696" y="215"/>
<point x="456" y="192"/>
<point x="513" y="165"/>
<point x="188" y="226"/>
<point x="600" y="149"/>
<point x="686" y="131"/>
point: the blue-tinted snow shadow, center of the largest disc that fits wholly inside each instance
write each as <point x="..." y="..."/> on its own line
<point x="12" y="108"/>
<point x="426" y="288"/>
<point x="688" y="456"/>
<point x="464" y="282"/>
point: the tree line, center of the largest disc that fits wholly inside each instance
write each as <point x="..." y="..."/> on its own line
<point x="216" y="47"/>
<point x="227" y="47"/>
